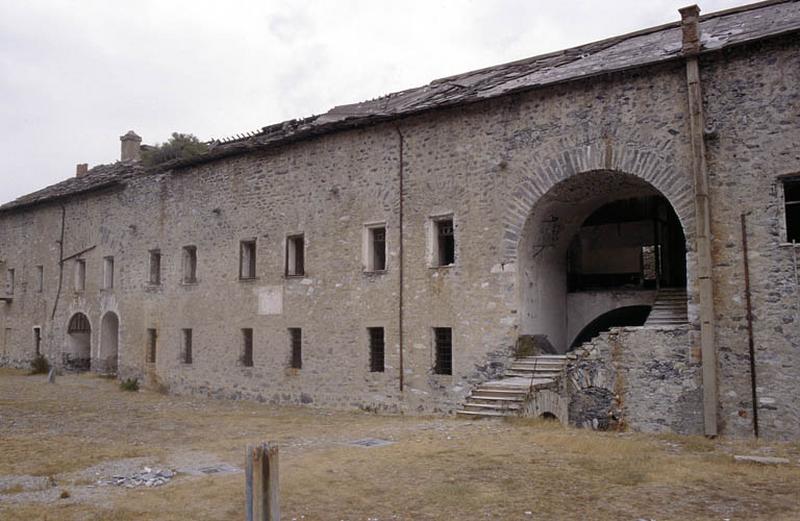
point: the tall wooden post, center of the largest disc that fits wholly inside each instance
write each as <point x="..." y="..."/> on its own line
<point x="261" y="483"/>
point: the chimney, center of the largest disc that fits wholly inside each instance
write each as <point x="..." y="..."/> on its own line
<point x="691" y="29"/>
<point x="130" y="146"/>
<point x="82" y="169"/>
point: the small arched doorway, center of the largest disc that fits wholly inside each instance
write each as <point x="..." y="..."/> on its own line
<point x="78" y="352"/>
<point x="109" y="343"/>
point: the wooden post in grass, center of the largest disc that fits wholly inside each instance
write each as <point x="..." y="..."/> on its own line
<point x="261" y="483"/>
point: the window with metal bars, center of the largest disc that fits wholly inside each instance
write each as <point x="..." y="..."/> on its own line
<point x="443" y="347"/>
<point x="247" y="347"/>
<point x="295" y="256"/>
<point x="247" y="259"/>
<point x="186" y="352"/>
<point x="37" y="340"/>
<point x="152" y="339"/>
<point x="376" y="349"/>
<point x="444" y="242"/>
<point x="296" y="343"/>
<point x="376" y="248"/>
<point x="791" y="196"/>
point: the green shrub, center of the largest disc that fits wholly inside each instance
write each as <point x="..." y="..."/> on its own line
<point x="179" y="146"/>
<point x="40" y="365"/>
<point x="129" y="384"/>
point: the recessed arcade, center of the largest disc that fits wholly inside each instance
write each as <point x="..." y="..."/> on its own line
<point x="594" y="251"/>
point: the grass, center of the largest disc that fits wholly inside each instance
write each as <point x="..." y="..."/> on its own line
<point x="438" y="468"/>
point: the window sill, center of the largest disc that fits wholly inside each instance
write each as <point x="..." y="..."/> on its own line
<point x="300" y="276"/>
<point x="789" y="244"/>
<point x="376" y="272"/>
<point x="442" y="267"/>
<point x="189" y="283"/>
<point x="248" y="279"/>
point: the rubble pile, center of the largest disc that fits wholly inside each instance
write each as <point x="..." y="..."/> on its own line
<point x="147" y="478"/>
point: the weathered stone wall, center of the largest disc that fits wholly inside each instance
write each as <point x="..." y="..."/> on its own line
<point x="752" y="100"/>
<point x="488" y="164"/>
<point x="640" y="378"/>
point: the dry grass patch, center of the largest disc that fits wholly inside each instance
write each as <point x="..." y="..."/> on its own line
<point x="438" y="468"/>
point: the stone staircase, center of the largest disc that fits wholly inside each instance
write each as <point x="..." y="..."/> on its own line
<point x="669" y="309"/>
<point x="506" y="395"/>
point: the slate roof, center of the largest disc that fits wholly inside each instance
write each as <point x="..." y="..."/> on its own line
<point x="646" y="47"/>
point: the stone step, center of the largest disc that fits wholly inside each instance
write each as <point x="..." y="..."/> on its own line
<point x="483" y="414"/>
<point x="472" y="406"/>
<point x="536" y="375"/>
<point x="538" y="368"/>
<point x="481" y="395"/>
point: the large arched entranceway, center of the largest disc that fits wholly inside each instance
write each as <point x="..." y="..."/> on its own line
<point x="109" y="344"/>
<point x="592" y="243"/>
<point x="78" y="351"/>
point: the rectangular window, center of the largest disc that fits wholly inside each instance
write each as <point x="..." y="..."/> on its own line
<point x="80" y="274"/>
<point x="108" y="272"/>
<point x="186" y="348"/>
<point x="791" y="196"/>
<point x="247" y="259"/>
<point x="443" y="344"/>
<point x="10" y="282"/>
<point x="247" y="347"/>
<point x="296" y="342"/>
<point x="375" y="248"/>
<point x="376" y="349"/>
<point x="37" y="340"/>
<point x="6" y="339"/>
<point x="152" y="340"/>
<point x="189" y="264"/>
<point x="295" y="256"/>
<point x="444" y="243"/>
<point x="39" y="278"/>
<point x="155" y="267"/>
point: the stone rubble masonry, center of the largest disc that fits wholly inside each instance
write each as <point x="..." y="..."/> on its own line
<point x="487" y="164"/>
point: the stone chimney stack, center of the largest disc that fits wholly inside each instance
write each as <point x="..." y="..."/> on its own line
<point x="130" y="146"/>
<point x="691" y="29"/>
<point x="82" y="169"/>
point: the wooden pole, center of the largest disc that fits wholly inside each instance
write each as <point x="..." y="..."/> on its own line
<point x="261" y="483"/>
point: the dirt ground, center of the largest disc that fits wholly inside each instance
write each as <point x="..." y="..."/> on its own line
<point x="69" y="438"/>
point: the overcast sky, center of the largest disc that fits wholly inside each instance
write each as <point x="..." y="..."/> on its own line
<point x="75" y="75"/>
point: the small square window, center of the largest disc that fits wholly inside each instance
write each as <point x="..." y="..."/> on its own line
<point x="376" y="349"/>
<point x="189" y="264"/>
<point x="247" y="259"/>
<point x="80" y="274"/>
<point x="443" y="345"/>
<point x="155" y="267"/>
<point x="152" y="339"/>
<point x="186" y="348"/>
<point x="247" y="347"/>
<point x="444" y="242"/>
<point x="296" y="344"/>
<point x="108" y="272"/>
<point x="295" y="256"/>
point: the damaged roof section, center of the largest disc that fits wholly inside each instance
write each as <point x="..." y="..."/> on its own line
<point x="647" y="47"/>
<point x="98" y="178"/>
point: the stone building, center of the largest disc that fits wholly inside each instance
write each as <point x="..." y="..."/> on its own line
<point x="395" y="255"/>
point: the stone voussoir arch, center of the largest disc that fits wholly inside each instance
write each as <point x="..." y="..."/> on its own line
<point x="647" y="163"/>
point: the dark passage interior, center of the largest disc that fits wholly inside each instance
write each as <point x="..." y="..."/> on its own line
<point x="636" y="242"/>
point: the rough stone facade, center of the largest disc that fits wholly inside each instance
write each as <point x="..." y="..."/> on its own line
<point x="499" y="167"/>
